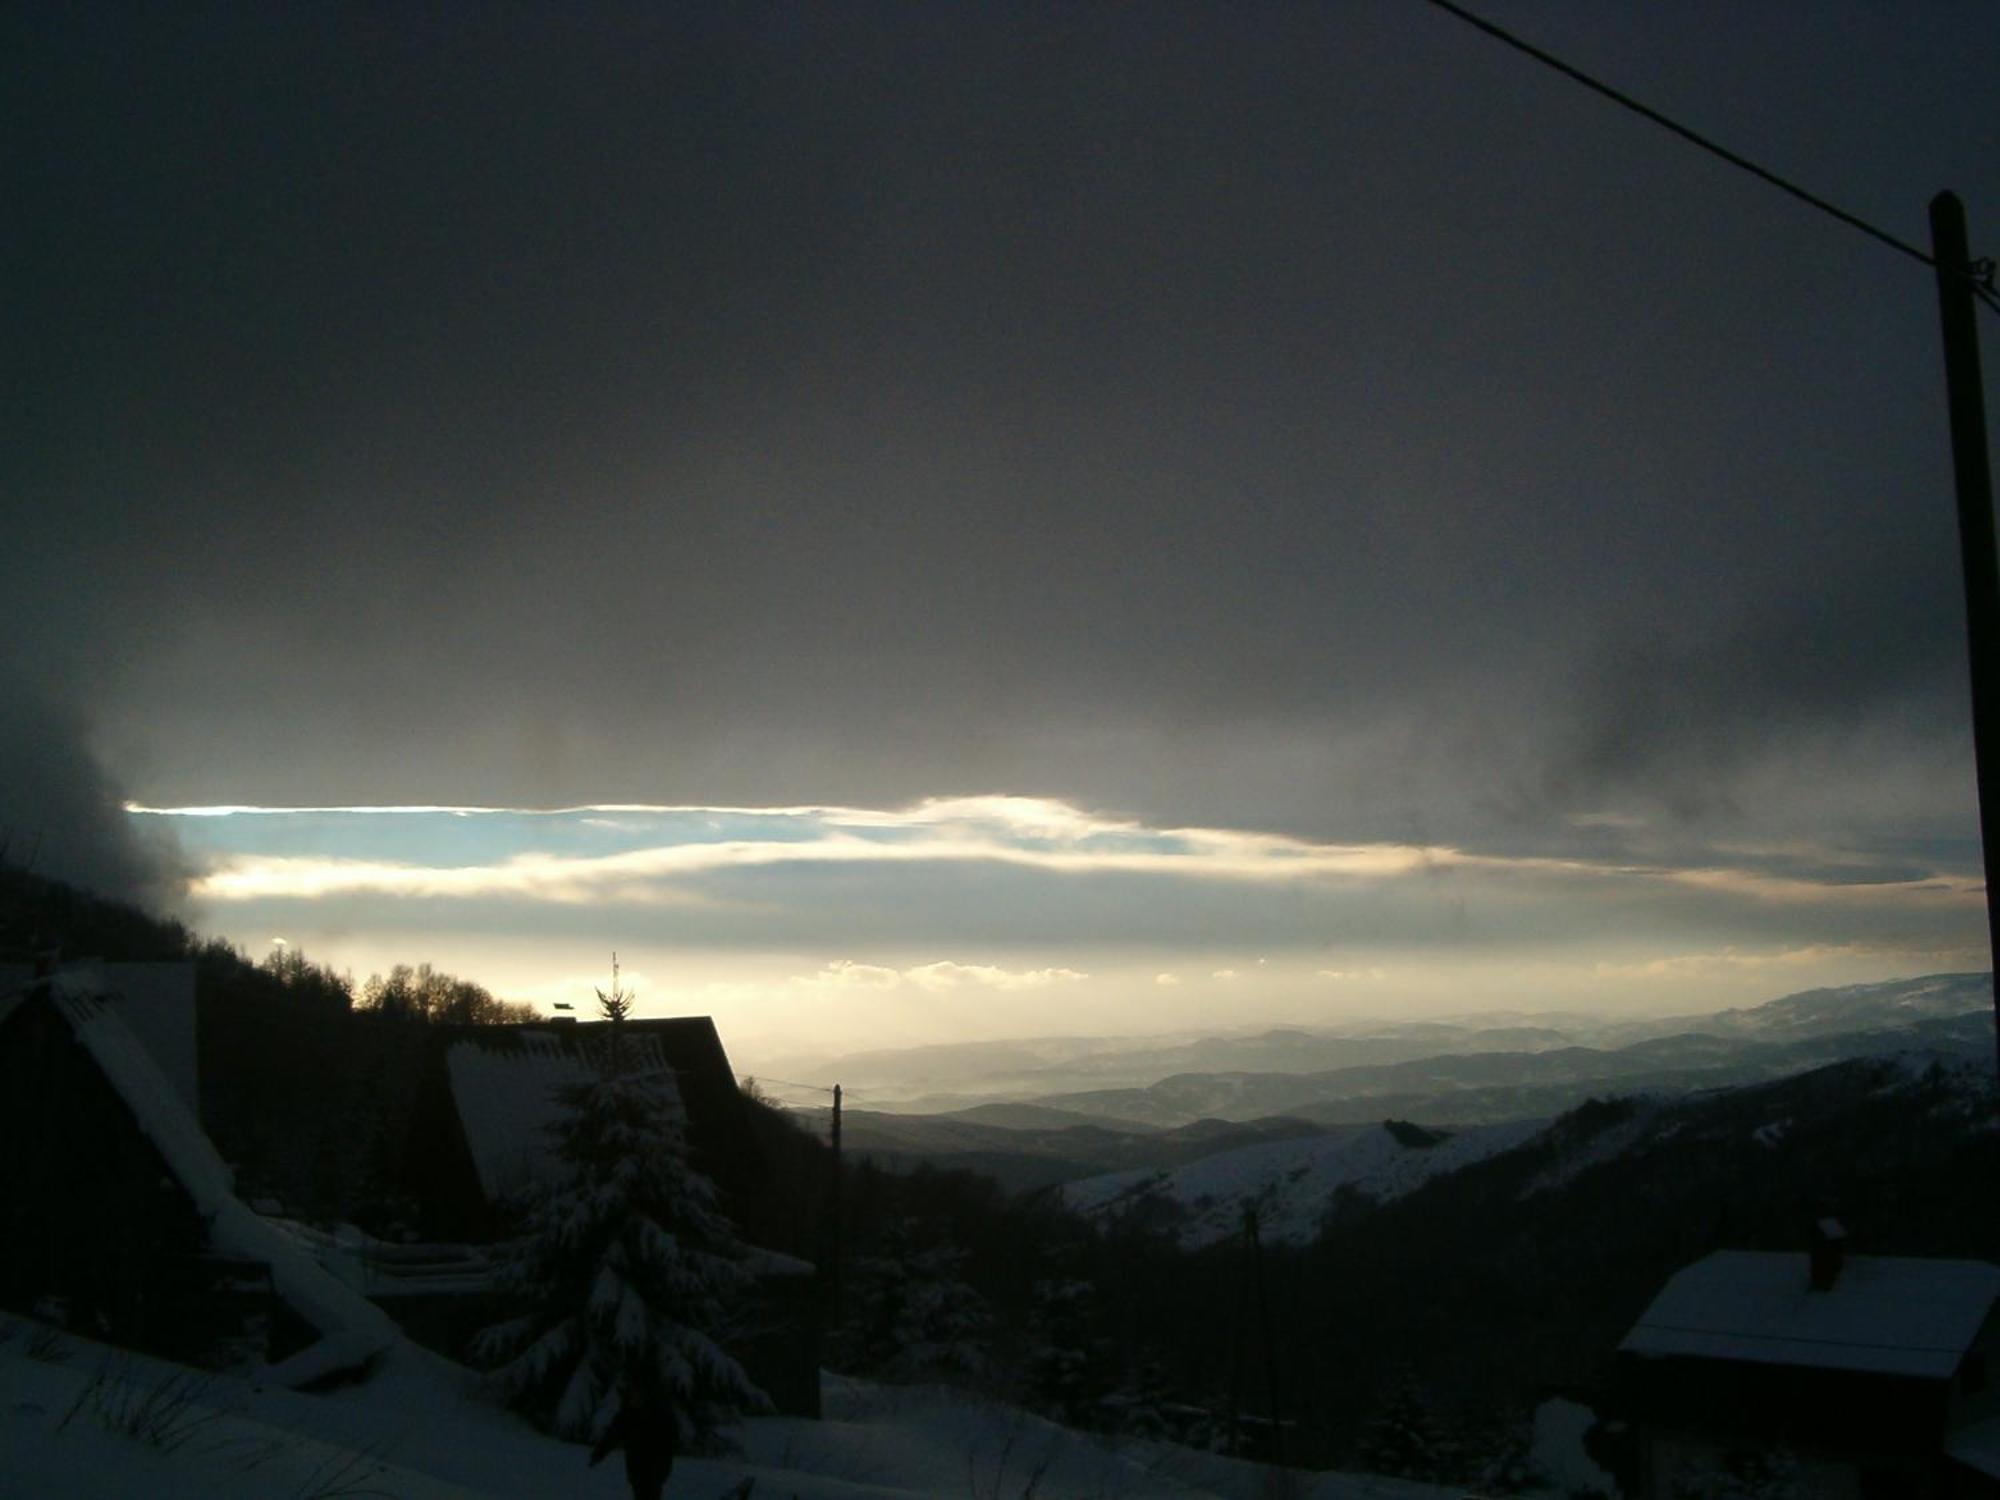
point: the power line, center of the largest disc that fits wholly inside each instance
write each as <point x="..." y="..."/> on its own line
<point x="817" y="1088"/>
<point x="1980" y="272"/>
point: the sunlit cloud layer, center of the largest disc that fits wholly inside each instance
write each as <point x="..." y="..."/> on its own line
<point x="1013" y="915"/>
<point x="661" y="854"/>
<point x="934" y="978"/>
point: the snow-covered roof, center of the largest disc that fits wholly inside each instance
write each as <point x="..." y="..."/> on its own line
<point x="1887" y="1315"/>
<point x="155" y="1000"/>
<point x="351" y="1328"/>
<point x="505" y="1088"/>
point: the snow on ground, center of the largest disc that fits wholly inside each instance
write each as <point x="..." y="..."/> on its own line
<point x="1291" y="1182"/>
<point x="94" y="1423"/>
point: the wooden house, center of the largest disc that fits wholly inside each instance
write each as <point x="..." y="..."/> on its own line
<point x="1859" y="1376"/>
<point x="92" y="1216"/>
<point x="118" y="1218"/>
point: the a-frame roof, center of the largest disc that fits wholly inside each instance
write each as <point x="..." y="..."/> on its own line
<point x="351" y="1329"/>
<point x="480" y="1134"/>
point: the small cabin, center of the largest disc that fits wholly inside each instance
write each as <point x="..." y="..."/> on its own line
<point x="95" y="1225"/>
<point x="1858" y="1376"/>
<point x="118" y="1218"/>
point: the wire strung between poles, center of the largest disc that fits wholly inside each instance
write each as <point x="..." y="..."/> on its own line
<point x="1979" y="272"/>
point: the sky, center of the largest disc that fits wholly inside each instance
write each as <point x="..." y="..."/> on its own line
<point x="1294" y="493"/>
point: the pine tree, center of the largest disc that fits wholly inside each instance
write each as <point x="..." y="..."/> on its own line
<point x="1404" y="1439"/>
<point x="627" y="1268"/>
<point x="615" y="1004"/>
<point x="911" y="1317"/>
<point x="1070" y="1367"/>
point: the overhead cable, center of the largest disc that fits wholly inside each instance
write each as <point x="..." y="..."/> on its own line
<point x="1980" y="273"/>
<point x="817" y="1088"/>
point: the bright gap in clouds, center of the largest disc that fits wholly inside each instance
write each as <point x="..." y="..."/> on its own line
<point x="1005" y="915"/>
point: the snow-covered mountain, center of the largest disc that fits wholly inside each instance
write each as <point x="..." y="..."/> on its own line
<point x="1170" y="1080"/>
<point x="1291" y="1183"/>
<point x="1830" y="1012"/>
<point x="1294" y="1184"/>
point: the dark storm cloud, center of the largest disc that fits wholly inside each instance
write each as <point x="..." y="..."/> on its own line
<point x="62" y="816"/>
<point x="1306" y="418"/>
<point x="1672" y="722"/>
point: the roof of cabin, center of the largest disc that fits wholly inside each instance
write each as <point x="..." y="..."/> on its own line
<point x="157" y="1006"/>
<point x="504" y="1082"/>
<point x="508" y="1097"/>
<point x="1889" y="1315"/>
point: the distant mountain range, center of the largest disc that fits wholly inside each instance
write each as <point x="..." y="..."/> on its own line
<point x="1487" y="1086"/>
<point x="955" y="1076"/>
<point x="1444" y="1074"/>
<point x="952" y="1077"/>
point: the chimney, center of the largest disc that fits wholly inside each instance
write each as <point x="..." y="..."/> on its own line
<point x="1829" y="1253"/>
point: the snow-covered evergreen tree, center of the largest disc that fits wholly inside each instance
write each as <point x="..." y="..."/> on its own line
<point x="1071" y="1368"/>
<point x="910" y="1316"/>
<point x="626" y="1267"/>
<point x="1404" y="1438"/>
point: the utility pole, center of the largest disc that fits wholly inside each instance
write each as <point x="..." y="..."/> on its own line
<point x="1250" y="1292"/>
<point x="1239" y="1335"/>
<point x="1956" y="277"/>
<point x="1264" y="1327"/>
<point x="833" y="1220"/>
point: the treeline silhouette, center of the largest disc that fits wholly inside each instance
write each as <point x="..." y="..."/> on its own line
<point x="307" y="1080"/>
<point x="41" y="917"/>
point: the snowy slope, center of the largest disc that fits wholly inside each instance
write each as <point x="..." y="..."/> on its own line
<point x="1290" y="1183"/>
<point x="420" y="1429"/>
<point x="1832" y="1012"/>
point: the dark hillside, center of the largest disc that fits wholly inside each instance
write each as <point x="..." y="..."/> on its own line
<point x="1512" y="1279"/>
<point x="1518" y="1275"/>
